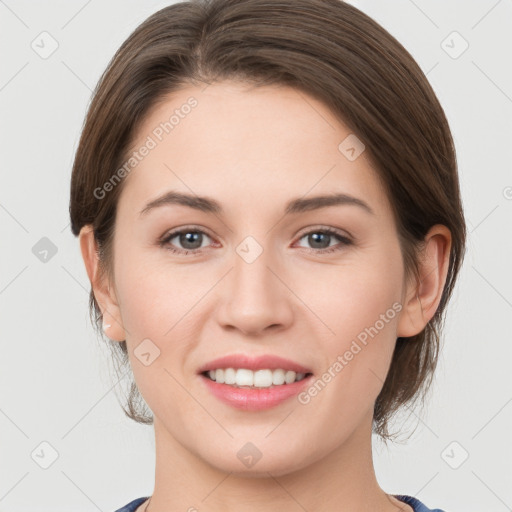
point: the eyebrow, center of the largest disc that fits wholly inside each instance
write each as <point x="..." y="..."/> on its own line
<point x="299" y="205"/>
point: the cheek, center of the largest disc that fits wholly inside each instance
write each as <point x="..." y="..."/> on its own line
<point x="152" y="297"/>
<point x="351" y="296"/>
<point x="156" y="313"/>
<point x="160" y="304"/>
<point x="143" y="302"/>
<point x="359" y="305"/>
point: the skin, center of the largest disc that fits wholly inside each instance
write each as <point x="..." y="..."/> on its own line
<point x="253" y="150"/>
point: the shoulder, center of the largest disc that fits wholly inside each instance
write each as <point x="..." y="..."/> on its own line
<point x="416" y="504"/>
<point x="133" y="505"/>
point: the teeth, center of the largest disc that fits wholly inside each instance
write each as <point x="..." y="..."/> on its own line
<point x="260" y="378"/>
<point x="229" y="376"/>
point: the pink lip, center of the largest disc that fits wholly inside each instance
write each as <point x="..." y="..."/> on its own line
<point x="254" y="399"/>
<point x="263" y="362"/>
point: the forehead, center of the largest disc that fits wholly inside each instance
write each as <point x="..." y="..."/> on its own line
<point x="230" y="139"/>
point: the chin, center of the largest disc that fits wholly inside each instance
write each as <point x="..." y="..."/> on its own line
<point x="250" y="462"/>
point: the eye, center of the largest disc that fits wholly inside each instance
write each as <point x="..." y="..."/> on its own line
<point x="189" y="238"/>
<point x="320" y="240"/>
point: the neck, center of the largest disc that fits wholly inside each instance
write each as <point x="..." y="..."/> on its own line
<point x="342" y="480"/>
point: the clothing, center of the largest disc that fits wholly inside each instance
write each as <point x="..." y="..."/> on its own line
<point x="132" y="506"/>
<point x="416" y="504"/>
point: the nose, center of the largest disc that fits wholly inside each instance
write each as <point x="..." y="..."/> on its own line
<point x="255" y="297"/>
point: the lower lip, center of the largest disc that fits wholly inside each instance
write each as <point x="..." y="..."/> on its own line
<point x="255" y="399"/>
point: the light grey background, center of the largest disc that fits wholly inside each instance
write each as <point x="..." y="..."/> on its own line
<point x="55" y="383"/>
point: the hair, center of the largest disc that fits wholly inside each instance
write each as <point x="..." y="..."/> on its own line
<point x="329" y="50"/>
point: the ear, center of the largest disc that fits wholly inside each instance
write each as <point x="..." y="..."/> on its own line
<point x="103" y="292"/>
<point x="422" y="299"/>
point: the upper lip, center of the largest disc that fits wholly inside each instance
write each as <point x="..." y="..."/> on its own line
<point x="266" y="361"/>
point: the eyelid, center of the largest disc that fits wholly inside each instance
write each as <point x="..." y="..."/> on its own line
<point x="176" y="231"/>
<point x="330" y="229"/>
<point x="164" y="240"/>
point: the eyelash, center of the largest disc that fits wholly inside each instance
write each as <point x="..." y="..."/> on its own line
<point x="345" y="241"/>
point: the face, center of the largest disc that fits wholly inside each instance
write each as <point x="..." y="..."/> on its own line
<point x="320" y="286"/>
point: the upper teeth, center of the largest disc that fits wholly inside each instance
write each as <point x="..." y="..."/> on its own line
<point x="259" y="378"/>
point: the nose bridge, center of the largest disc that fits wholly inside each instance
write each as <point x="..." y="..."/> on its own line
<point x="253" y="282"/>
<point x="256" y="297"/>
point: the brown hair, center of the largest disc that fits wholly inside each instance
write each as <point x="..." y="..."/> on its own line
<point x="327" y="49"/>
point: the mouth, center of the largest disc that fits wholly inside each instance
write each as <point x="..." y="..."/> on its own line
<point x="259" y="379"/>
<point x="254" y="372"/>
<point x="247" y="390"/>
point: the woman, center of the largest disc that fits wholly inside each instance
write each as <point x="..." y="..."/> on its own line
<point x="268" y="207"/>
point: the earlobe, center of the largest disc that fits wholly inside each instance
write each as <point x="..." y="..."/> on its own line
<point x="423" y="297"/>
<point x="103" y="294"/>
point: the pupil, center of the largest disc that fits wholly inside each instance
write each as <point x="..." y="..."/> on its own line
<point x="314" y="240"/>
<point x="188" y="238"/>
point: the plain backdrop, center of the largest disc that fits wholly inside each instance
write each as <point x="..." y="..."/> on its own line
<point x="58" y="404"/>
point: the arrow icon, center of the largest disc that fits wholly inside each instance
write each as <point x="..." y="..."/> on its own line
<point x="351" y="147"/>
